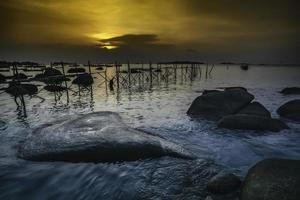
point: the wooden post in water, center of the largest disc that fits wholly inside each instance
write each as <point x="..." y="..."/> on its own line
<point x="117" y="74"/>
<point x="66" y="85"/>
<point x="150" y="71"/>
<point x="129" y="74"/>
<point x="89" y="64"/>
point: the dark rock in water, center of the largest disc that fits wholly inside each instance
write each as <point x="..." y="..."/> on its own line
<point x="51" y="72"/>
<point x="224" y="183"/>
<point x="251" y="122"/>
<point x="17" y="89"/>
<point x="99" y="68"/>
<point x="83" y="79"/>
<point x="231" y="88"/>
<point x="215" y="105"/>
<point x="76" y="70"/>
<point x="290" y="110"/>
<point x="291" y="90"/>
<point x="20" y="76"/>
<point x="255" y="108"/>
<point x="95" y="137"/>
<point x="2" y="78"/>
<point x="273" y="179"/>
<point x="209" y="91"/>
<point x="54" y="88"/>
<point x="39" y="76"/>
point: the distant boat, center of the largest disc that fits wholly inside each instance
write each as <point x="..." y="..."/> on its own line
<point x="244" y="66"/>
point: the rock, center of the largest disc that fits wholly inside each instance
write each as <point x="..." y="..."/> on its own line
<point x="95" y="137"/>
<point x="2" y="78"/>
<point x="209" y="91"/>
<point x="251" y="122"/>
<point x="291" y="90"/>
<point x="223" y="183"/>
<point x="255" y="108"/>
<point x="290" y="110"/>
<point x="17" y="89"/>
<point x="215" y="105"/>
<point x="20" y="76"/>
<point x="272" y="179"/>
<point x="54" y="88"/>
<point x="99" y="68"/>
<point x="51" y="72"/>
<point x="83" y="79"/>
<point x="76" y="70"/>
<point x="231" y="88"/>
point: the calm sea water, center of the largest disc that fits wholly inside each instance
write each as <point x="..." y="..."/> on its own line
<point x="159" y="108"/>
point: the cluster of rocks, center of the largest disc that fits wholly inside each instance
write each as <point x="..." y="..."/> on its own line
<point x="233" y="108"/>
<point x="51" y="76"/>
<point x="272" y="179"/>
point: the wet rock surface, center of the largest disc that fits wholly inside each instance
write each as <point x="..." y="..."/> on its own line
<point x="54" y="88"/>
<point x="2" y="78"/>
<point x="255" y="108"/>
<point x="224" y="183"/>
<point x="290" y="110"/>
<point x="274" y="179"/>
<point x="217" y="104"/>
<point x="95" y="137"/>
<point x="251" y="122"/>
<point x="291" y="90"/>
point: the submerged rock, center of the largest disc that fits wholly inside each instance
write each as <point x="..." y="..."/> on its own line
<point x="215" y="105"/>
<point x="255" y="108"/>
<point x="290" y="110"/>
<point x="54" y="88"/>
<point x="17" y="89"/>
<point x="76" y="70"/>
<point x="2" y="124"/>
<point x="251" y="122"/>
<point x="272" y="179"/>
<point x="95" y="137"/>
<point x="83" y="79"/>
<point x="224" y="183"/>
<point x="291" y="90"/>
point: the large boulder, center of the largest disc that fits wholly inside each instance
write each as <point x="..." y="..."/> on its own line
<point x="95" y="137"/>
<point x="272" y="179"/>
<point x="83" y="79"/>
<point x="54" y="88"/>
<point x="290" y="110"/>
<point x="217" y="104"/>
<point x="19" y="76"/>
<point x="251" y="122"/>
<point x="291" y="90"/>
<point x="255" y="108"/>
<point x="223" y="183"/>
<point x="17" y="89"/>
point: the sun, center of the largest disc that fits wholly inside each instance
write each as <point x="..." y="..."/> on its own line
<point x="103" y="36"/>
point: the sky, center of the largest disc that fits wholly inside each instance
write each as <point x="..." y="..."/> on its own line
<point x="252" y="31"/>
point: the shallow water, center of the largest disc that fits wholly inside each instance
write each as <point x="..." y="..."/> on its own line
<point x="159" y="108"/>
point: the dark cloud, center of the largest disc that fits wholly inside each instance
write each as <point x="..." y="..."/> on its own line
<point x="132" y="39"/>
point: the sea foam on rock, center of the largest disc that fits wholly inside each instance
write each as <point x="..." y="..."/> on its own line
<point x="217" y="104"/>
<point x="95" y="137"/>
<point x="272" y="179"/>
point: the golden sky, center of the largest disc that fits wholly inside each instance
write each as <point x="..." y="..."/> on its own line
<point x="183" y="25"/>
